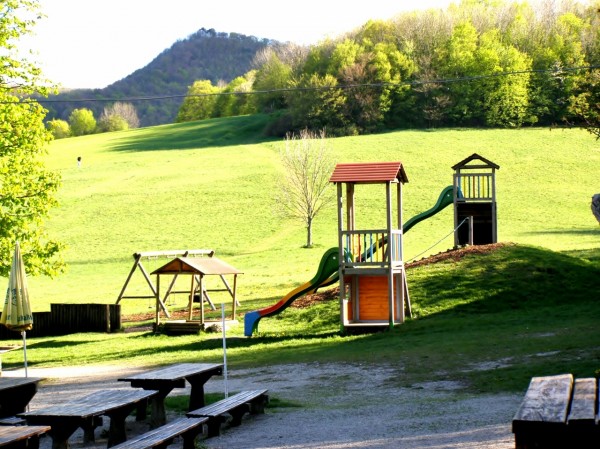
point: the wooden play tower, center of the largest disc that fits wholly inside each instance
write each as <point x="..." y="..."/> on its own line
<point x="475" y="201"/>
<point x="373" y="288"/>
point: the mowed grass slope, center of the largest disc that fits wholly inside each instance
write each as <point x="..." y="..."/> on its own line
<point x="211" y="184"/>
<point x="489" y="320"/>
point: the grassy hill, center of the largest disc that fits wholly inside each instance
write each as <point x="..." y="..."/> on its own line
<point x="211" y="185"/>
<point x="491" y="319"/>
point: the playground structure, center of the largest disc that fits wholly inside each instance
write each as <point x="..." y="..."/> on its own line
<point x="368" y="263"/>
<point x="372" y="278"/>
<point x="197" y="268"/>
<point x="196" y="263"/>
<point x="373" y="287"/>
<point x="475" y="201"/>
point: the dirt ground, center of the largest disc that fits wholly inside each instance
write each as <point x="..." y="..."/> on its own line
<point x="329" y="406"/>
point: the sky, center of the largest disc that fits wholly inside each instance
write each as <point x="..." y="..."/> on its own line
<point x="91" y="44"/>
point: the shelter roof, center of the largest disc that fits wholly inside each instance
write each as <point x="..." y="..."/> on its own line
<point x="369" y="172"/>
<point x="486" y="163"/>
<point x="196" y="265"/>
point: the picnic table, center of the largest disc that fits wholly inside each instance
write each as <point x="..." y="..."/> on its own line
<point x="174" y="376"/>
<point x="15" y="394"/>
<point x="15" y="437"/>
<point x="84" y="412"/>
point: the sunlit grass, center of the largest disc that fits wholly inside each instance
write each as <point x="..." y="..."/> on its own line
<point x="189" y="186"/>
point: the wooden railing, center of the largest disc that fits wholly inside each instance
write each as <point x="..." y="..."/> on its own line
<point x="475" y="186"/>
<point x="371" y="248"/>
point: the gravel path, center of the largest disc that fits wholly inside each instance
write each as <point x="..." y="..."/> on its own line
<point x="338" y="406"/>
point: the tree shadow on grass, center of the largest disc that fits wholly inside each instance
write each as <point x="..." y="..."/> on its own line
<point x="222" y="132"/>
<point x="587" y="231"/>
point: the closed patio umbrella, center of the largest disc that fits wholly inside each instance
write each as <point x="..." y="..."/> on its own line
<point x="16" y="314"/>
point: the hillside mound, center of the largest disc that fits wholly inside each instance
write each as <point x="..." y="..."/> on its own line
<point x="453" y="254"/>
<point x="333" y="293"/>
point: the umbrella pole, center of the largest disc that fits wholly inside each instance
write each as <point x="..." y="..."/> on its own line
<point x="224" y="347"/>
<point x="24" y="335"/>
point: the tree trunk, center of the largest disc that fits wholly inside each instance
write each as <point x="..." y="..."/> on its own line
<point x="309" y="233"/>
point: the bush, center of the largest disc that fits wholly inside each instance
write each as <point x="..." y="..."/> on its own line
<point x="59" y="128"/>
<point x="111" y="123"/>
<point x="82" y="122"/>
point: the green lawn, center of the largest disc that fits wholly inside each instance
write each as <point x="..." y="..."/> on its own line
<point x="194" y="185"/>
<point x="525" y="309"/>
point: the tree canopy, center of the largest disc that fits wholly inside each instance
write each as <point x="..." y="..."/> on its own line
<point x="27" y="188"/>
<point x="477" y="63"/>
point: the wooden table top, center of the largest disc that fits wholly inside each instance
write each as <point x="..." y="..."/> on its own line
<point x="97" y="403"/>
<point x="176" y="372"/>
<point x="12" y="382"/>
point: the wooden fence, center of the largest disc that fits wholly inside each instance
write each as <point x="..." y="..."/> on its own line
<point x="64" y="319"/>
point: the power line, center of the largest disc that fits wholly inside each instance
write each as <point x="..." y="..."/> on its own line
<point x="412" y="83"/>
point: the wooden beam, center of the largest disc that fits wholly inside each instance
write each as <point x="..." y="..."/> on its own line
<point x="191" y="298"/>
<point x="233" y="296"/>
<point x="390" y="274"/>
<point x="136" y="258"/>
<point x="176" y="253"/>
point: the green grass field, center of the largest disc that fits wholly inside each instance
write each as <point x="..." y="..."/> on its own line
<point x="203" y="185"/>
<point x="211" y="185"/>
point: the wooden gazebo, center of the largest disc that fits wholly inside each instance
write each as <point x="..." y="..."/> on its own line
<point x="373" y="288"/>
<point x="197" y="268"/>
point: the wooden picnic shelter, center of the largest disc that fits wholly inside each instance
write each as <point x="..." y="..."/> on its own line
<point x="138" y="265"/>
<point x="197" y="268"/>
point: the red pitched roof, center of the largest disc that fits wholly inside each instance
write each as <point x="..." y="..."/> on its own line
<point x="369" y="172"/>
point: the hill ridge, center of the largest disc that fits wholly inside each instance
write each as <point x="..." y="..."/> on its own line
<point x="203" y="55"/>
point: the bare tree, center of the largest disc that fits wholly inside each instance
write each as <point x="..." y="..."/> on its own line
<point x="125" y="111"/>
<point x="305" y="189"/>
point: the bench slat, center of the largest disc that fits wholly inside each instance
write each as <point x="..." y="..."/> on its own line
<point x="160" y="436"/>
<point x="583" y="406"/>
<point x="227" y="404"/>
<point x="542" y="421"/>
<point x="13" y="434"/>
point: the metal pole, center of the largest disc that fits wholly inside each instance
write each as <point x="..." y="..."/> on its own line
<point x="224" y="350"/>
<point x="24" y="335"/>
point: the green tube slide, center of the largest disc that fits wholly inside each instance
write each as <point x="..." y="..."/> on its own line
<point x="327" y="273"/>
<point x="445" y="199"/>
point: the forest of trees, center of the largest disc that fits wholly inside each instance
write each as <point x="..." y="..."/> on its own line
<point x="482" y="63"/>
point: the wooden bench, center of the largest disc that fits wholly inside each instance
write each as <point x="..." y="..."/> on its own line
<point x="161" y="437"/>
<point x="21" y="437"/>
<point x="558" y="412"/>
<point x="232" y="409"/>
